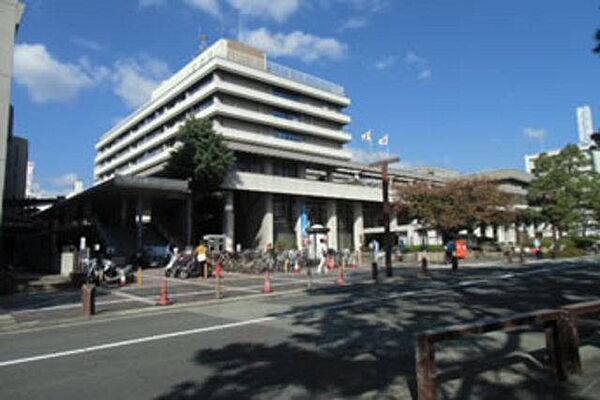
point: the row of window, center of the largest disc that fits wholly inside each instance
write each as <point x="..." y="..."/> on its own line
<point x="177" y="119"/>
<point x="158" y="112"/>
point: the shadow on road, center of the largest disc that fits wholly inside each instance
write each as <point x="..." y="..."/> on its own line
<point x="366" y="351"/>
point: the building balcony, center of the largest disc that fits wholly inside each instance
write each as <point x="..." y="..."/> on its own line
<point x="261" y="183"/>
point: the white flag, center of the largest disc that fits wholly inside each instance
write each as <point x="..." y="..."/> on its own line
<point x="367" y="136"/>
<point x="384" y="141"/>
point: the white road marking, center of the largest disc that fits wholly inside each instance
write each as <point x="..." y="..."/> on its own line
<point x="134" y="297"/>
<point x="130" y="342"/>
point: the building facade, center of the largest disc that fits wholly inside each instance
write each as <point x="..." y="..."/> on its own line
<point x="287" y="130"/>
<point x="11" y="12"/>
<point x="585" y="124"/>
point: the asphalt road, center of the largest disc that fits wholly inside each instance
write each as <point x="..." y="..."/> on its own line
<point x="333" y="342"/>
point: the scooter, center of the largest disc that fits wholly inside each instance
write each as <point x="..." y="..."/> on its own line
<point x="114" y="274"/>
<point x="170" y="268"/>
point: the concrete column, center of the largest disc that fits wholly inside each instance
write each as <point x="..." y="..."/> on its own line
<point x="229" y="221"/>
<point x="358" y="228"/>
<point x="332" y="224"/>
<point x="188" y="220"/>
<point x="123" y="214"/>
<point x="265" y="233"/>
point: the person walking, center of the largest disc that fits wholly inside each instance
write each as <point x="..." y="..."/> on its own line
<point x="322" y="268"/>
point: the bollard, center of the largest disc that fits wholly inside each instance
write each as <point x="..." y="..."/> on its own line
<point x="309" y="273"/>
<point x="374" y="271"/>
<point x="205" y="269"/>
<point x="219" y="276"/>
<point x="140" y="277"/>
<point x="88" y="299"/>
<point x="454" y="263"/>
<point x="424" y="265"/>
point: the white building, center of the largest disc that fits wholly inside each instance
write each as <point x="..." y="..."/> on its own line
<point x="11" y="12"/>
<point x="585" y="123"/>
<point x="287" y="131"/>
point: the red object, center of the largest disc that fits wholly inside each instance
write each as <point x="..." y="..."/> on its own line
<point x="164" y="294"/>
<point x="462" y="251"/>
<point x="267" y="288"/>
<point x="341" y="279"/>
<point x="331" y="262"/>
<point x="219" y="271"/>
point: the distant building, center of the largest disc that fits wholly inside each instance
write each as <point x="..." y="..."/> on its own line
<point x="11" y="12"/>
<point x="29" y="179"/>
<point x="585" y="123"/>
<point x="16" y="168"/>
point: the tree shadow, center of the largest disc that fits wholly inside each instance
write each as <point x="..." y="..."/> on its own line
<point x="367" y="350"/>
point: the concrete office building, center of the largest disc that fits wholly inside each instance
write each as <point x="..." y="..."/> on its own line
<point x="16" y="168"/>
<point x="585" y="124"/>
<point x="11" y="12"/>
<point x="287" y="131"/>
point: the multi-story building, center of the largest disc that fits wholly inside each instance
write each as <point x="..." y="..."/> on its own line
<point x="287" y="131"/>
<point x="585" y="124"/>
<point x="11" y="12"/>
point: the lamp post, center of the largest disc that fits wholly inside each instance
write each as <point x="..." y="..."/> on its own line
<point x="384" y="164"/>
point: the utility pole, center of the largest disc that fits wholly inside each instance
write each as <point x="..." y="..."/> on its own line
<point x="385" y="176"/>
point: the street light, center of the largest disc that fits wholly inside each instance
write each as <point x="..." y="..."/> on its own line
<point x="384" y="164"/>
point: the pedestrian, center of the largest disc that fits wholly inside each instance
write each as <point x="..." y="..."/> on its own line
<point x="537" y="247"/>
<point x="201" y="256"/>
<point x="323" y="256"/>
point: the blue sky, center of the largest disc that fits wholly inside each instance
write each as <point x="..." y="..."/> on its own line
<point x="470" y="85"/>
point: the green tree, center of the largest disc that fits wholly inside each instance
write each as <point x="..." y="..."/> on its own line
<point x="201" y="156"/>
<point x="594" y="197"/>
<point x="457" y="205"/>
<point x="559" y="189"/>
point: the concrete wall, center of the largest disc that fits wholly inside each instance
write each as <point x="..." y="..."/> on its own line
<point x="10" y="16"/>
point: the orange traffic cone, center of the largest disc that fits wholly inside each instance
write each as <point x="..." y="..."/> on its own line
<point x="341" y="279"/>
<point x="164" y="294"/>
<point x="267" y="288"/>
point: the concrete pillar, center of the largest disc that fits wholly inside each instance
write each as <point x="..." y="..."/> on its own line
<point x="265" y="233"/>
<point x="123" y="214"/>
<point x="229" y="221"/>
<point x="188" y="220"/>
<point x="332" y="224"/>
<point x="358" y="228"/>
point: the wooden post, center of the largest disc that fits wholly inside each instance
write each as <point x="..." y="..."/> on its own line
<point x="426" y="369"/>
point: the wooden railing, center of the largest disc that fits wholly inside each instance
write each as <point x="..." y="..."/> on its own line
<point x="560" y="327"/>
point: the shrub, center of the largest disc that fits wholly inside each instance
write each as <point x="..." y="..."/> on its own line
<point x="285" y="244"/>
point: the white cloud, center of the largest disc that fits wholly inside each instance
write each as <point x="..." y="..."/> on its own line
<point x="422" y="65"/>
<point x="47" y="79"/>
<point x="87" y="44"/>
<point x="278" y="10"/>
<point x="209" y="6"/>
<point x="353" y="23"/>
<point x="136" y="78"/>
<point x="424" y="74"/>
<point x="535" y="133"/>
<point x="67" y="179"/>
<point x="304" y="46"/>
<point x="54" y="186"/>
<point x="152" y="3"/>
<point x="385" y="63"/>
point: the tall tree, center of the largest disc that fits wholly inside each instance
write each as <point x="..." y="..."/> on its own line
<point x="200" y="156"/>
<point x="559" y="188"/>
<point x="459" y="204"/>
